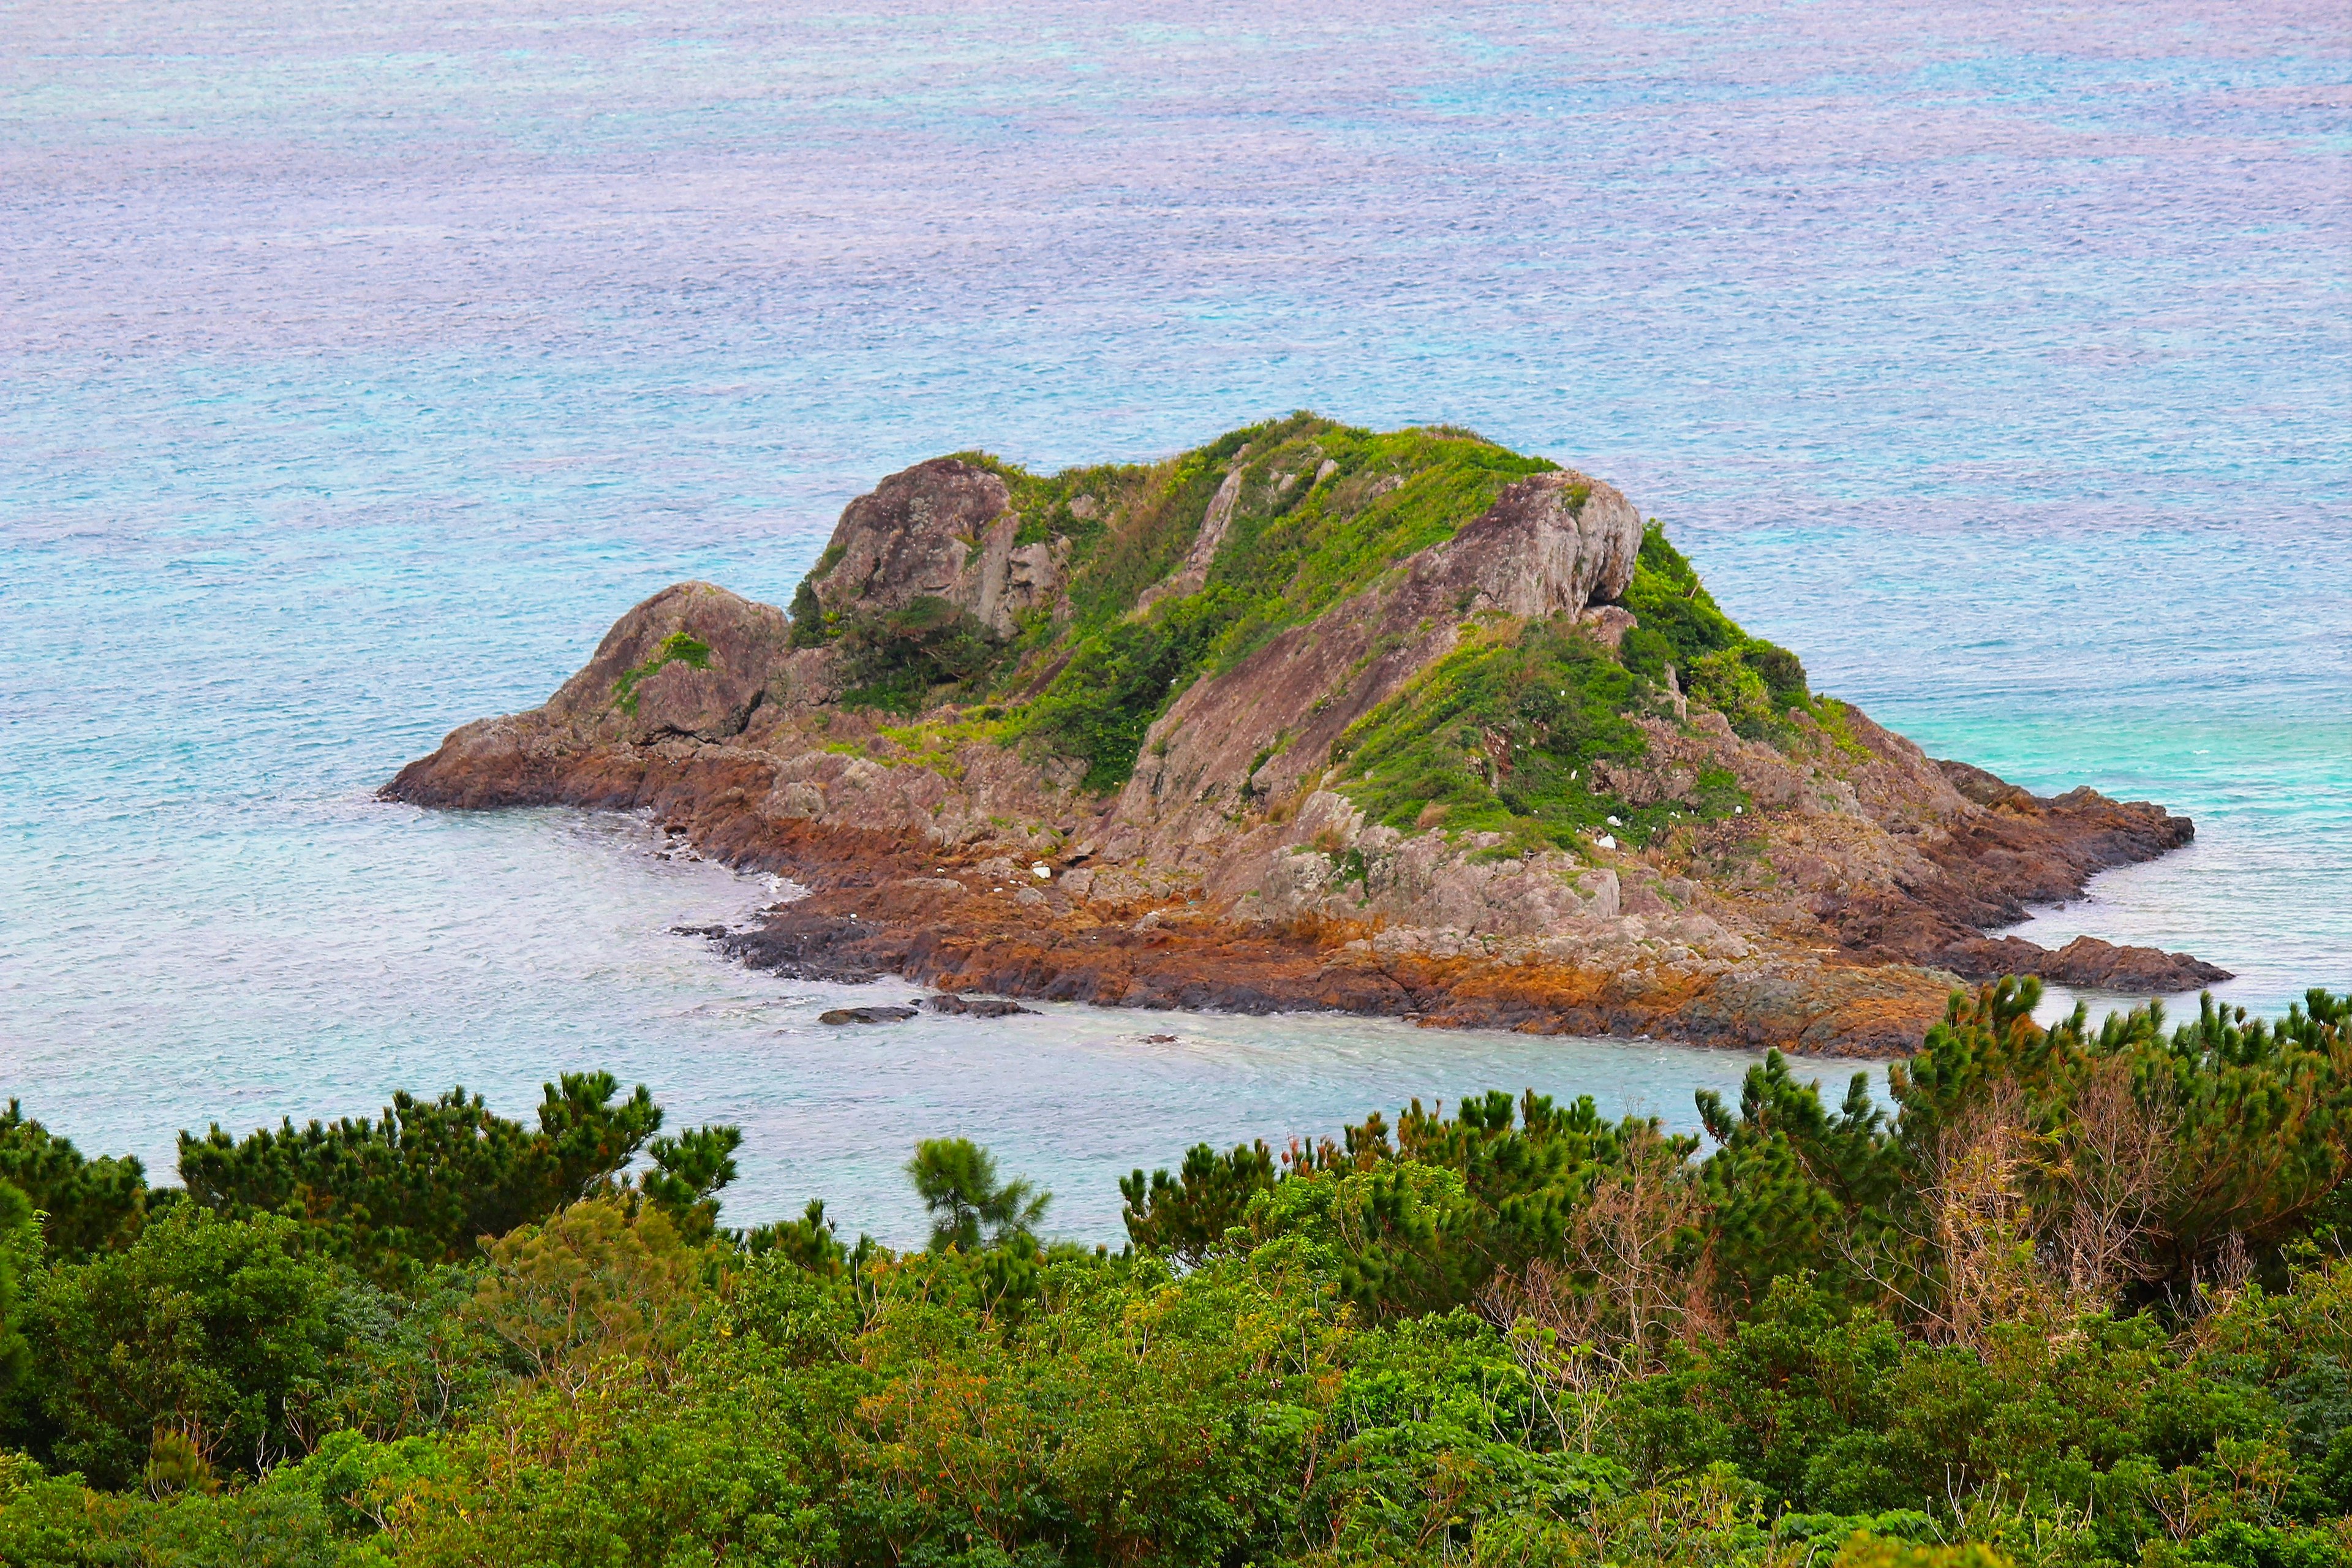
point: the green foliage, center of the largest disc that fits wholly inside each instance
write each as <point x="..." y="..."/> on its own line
<point x="1424" y="1222"/>
<point x="2027" y="1166"/>
<point x="685" y="1174"/>
<point x="1983" y="1330"/>
<point x="220" y="1328"/>
<point x="85" y="1205"/>
<point x="20" y="1244"/>
<point x="678" y="647"/>
<point x="51" y="1521"/>
<point x="361" y="1484"/>
<point x="1503" y="735"/>
<point x="428" y="1179"/>
<point x="811" y="1244"/>
<point x="958" y="1183"/>
<point x="2227" y="1132"/>
<point x="1292" y="553"/>
<point x="1724" y="681"/>
<point x="176" y="1467"/>
<point x="1750" y="680"/>
<point x="1788" y="1175"/>
<point x="1116" y="684"/>
<point x="1320" y="511"/>
<point x="417" y="1360"/>
<point x="893" y="659"/>
<point x="1187" y="1216"/>
<point x="811" y="626"/>
<point x="594" y="1282"/>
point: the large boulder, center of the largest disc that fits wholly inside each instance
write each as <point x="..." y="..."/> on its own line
<point x="693" y="660"/>
<point x="942" y="530"/>
<point x="1551" y="543"/>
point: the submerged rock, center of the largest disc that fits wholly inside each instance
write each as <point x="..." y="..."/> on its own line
<point x="953" y="1005"/>
<point x="866" y="1015"/>
<point x="1310" y="718"/>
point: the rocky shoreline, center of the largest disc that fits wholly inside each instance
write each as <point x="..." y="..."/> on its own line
<point x="1767" y="873"/>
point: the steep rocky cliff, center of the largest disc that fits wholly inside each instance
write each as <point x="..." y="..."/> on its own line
<point x="1310" y="717"/>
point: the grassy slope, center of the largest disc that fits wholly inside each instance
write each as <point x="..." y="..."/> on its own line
<point x="1500" y="735"/>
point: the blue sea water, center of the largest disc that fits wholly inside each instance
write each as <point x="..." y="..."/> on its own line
<point x="360" y="363"/>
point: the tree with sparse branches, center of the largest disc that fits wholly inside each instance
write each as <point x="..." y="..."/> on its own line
<point x="958" y="1183"/>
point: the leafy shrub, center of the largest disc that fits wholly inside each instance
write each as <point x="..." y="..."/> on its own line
<point x="1116" y="685"/>
<point x="85" y="1205"/>
<point x="220" y="1328"/>
<point x="425" y="1181"/>
<point x="893" y="659"/>
<point x="811" y="627"/>
<point x="1505" y="734"/>
<point x="1186" y="1216"/>
<point x="1682" y="627"/>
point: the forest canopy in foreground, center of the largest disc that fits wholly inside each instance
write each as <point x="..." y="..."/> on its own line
<point x="2084" y="1299"/>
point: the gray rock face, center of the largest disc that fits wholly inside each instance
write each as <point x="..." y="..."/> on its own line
<point x="693" y="661"/>
<point x="944" y="530"/>
<point x="1189" y="577"/>
<point x="1551" y="543"/>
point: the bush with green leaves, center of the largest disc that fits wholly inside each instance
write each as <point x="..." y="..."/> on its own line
<point x="229" y="1331"/>
<point x="1682" y="628"/>
<point x="85" y="1205"/>
<point x="422" y="1183"/>
<point x="1510" y="734"/>
<point x="892" y="659"/>
<point x="2082" y="1298"/>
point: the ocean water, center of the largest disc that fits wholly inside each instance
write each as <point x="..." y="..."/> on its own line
<point x="359" y="365"/>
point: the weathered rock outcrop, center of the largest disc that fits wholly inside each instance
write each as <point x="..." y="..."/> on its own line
<point x="1150" y="792"/>
<point x="1550" y="544"/>
<point x="942" y="530"/>
<point x="689" y="664"/>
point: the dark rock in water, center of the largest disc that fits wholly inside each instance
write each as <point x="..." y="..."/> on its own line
<point x="2096" y="965"/>
<point x="698" y="931"/>
<point x="1157" y="1039"/>
<point x="948" y="1002"/>
<point x="866" y="1016"/>
<point x="804" y="949"/>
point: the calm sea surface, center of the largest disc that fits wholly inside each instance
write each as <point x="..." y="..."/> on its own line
<point x="360" y="363"/>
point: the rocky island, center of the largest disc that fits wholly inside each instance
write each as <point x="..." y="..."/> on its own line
<point x="1311" y="718"/>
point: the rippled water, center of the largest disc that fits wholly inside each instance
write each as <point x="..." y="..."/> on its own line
<point x="358" y="364"/>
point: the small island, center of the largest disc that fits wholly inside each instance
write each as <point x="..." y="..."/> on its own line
<point x="1311" y="717"/>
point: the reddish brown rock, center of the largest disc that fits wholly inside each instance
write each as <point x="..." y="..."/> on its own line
<point x="2092" y="964"/>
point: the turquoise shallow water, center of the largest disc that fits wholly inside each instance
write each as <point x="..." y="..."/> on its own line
<point x="361" y="363"/>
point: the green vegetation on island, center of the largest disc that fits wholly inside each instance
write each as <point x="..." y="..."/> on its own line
<point x="2082" y="1298"/>
<point x="1316" y="511"/>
